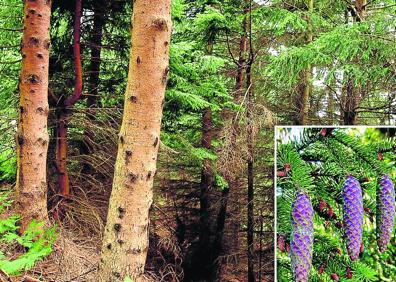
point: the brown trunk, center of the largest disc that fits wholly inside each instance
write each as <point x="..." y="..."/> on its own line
<point x="202" y="261"/>
<point x="206" y="181"/>
<point x="250" y="174"/>
<point x="352" y="93"/>
<point x="71" y="100"/>
<point x="306" y="84"/>
<point x="304" y="97"/>
<point x="94" y="77"/>
<point x="63" y="114"/>
<point x="61" y="153"/>
<point x="125" y="242"/>
<point x="330" y="107"/>
<point x="32" y="136"/>
<point x="261" y="233"/>
<point x="96" y="47"/>
<point x="361" y="10"/>
<point x="231" y="179"/>
<point x="350" y="105"/>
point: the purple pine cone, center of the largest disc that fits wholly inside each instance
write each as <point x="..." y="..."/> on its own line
<point x="385" y="212"/>
<point x="302" y="237"/>
<point x="353" y="216"/>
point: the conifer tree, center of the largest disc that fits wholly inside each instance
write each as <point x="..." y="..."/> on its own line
<point x="346" y="44"/>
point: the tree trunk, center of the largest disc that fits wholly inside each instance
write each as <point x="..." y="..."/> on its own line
<point x="330" y="107"/>
<point x="32" y="136"/>
<point x="63" y="111"/>
<point x="231" y="179"/>
<point x="306" y="87"/>
<point x="361" y="10"/>
<point x="206" y="181"/>
<point x="78" y="84"/>
<point x="250" y="174"/>
<point x="351" y="103"/>
<point x="352" y="94"/>
<point x="61" y="152"/>
<point x="125" y="243"/>
<point x="260" y="264"/>
<point x="201" y="265"/>
<point x="202" y="257"/>
<point x="96" y="48"/>
<point x="94" y="77"/>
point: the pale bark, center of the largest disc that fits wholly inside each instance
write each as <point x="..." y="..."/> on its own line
<point x="32" y="136"/>
<point x="125" y="243"/>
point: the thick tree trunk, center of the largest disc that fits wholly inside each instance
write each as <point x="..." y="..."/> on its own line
<point x="32" y="136"/>
<point x="125" y="243"/>
<point x="63" y="114"/>
<point x="250" y="175"/>
<point x="306" y="84"/>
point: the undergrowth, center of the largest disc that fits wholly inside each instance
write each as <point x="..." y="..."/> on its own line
<point x="19" y="253"/>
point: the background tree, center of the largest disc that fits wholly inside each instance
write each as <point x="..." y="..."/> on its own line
<point x="10" y="37"/>
<point x="346" y="47"/>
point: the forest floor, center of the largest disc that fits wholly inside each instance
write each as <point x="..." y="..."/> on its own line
<point x="76" y="252"/>
<point x="73" y="259"/>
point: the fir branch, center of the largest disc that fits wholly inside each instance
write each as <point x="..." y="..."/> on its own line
<point x="360" y="151"/>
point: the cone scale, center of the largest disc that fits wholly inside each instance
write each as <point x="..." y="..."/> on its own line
<point x="385" y="212"/>
<point x="302" y="237"/>
<point x="353" y="216"/>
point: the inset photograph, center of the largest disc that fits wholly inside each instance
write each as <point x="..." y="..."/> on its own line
<point x="335" y="203"/>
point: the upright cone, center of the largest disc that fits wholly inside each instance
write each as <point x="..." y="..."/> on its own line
<point x="385" y="212"/>
<point x="302" y="237"/>
<point x="353" y="216"/>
